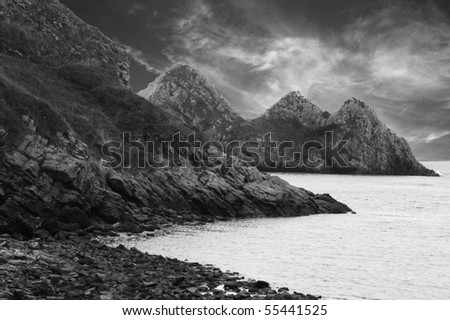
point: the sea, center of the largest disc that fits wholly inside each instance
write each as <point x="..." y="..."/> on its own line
<point x="396" y="246"/>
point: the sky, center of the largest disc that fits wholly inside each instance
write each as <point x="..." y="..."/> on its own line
<point x="393" y="55"/>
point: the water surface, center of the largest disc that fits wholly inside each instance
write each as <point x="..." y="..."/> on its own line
<point x="396" y="246"/>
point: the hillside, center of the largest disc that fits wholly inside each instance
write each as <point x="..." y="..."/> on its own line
<point x="63" y="94"/>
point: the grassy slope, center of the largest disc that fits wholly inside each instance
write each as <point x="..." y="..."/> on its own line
<point x="43" y="79"/>
<point x="83" y="100"/>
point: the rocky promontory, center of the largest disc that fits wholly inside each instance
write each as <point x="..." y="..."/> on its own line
<point x="370" y="148"/>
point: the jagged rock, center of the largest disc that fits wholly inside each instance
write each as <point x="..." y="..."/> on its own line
<point x="187" y="93"/>
<point x="371" y="147"/>
<point x="64" y="188"/>
<point x="117" y="184"/>
<point x="294" y="106"/>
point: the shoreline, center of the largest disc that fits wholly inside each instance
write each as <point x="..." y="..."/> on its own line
<point x="84" y="268"/>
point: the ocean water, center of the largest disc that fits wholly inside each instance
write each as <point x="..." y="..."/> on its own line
<point x="397" y="246"/>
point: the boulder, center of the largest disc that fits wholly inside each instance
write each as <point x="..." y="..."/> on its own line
<point x="260" y="284"/>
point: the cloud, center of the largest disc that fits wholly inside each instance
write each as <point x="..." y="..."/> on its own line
<point x="394" y="55"/>
<point x="408" y="57"/>
<point x="139" y="57"/>
<point x="135" y="9"/>
<point x="435" y="136"/>
<point x="396" y="58"/>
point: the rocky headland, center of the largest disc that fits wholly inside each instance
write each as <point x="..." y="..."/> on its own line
<point x="371" y="147"/>
<point x="63" y="93"/>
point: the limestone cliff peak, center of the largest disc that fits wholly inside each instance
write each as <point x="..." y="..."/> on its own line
<point x="295" y="106"/>
<point x="190" y="95"/>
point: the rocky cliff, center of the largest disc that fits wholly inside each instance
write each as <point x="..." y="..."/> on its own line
<point x="63" y="94"/>
<point x="183" y="91"/>
<point x="295" y="107"/>
<point x="371" y="147"/>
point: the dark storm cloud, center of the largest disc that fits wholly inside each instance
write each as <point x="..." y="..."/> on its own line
<point x="393" y="55"/>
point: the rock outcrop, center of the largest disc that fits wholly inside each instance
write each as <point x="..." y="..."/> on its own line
<point x="185" y="92"/>
<point x="62" y="96"/>
<point x="295" y="107"/>
<point x="47" y="187"/>
<point x="371" y="147"/>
